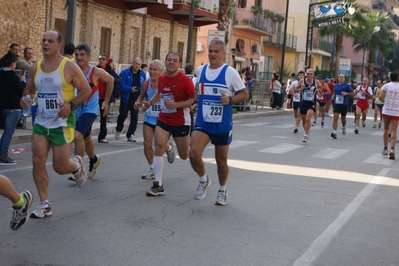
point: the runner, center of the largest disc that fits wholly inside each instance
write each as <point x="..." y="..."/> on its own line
<point x="362" y="94"/>
<point x="296" y="99"/>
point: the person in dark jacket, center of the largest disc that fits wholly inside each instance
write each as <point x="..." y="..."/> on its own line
<point x="103" y="63"/>
<point x="11" y="90"/>
<point x="132" y="80"/>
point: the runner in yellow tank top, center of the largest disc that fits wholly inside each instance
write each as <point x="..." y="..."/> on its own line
<point x="55" y="78"/>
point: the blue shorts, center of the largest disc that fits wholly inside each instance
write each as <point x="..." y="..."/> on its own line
<point x="379" y="106"/>
<point x="296" y="105"/>
<point x="329" y="96"/>
<point x="218" y="139"/>
<point x="84" y="124"/>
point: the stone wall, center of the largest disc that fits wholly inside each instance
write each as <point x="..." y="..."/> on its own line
<point x="25" y="21"/>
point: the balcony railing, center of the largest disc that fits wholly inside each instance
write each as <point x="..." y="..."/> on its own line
<point x="255" y="21"/>
<point x="208" y="5"/>
<point x="278" y="39"/>
<point x="380" y="5"/>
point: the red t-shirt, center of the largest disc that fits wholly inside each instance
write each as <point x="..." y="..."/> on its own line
<point x="101" y="87"/>
<point x="180" y="88"/>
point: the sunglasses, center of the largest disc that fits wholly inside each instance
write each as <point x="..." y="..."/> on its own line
<point x="102" y="58"/>
<point x="309" y="73"/>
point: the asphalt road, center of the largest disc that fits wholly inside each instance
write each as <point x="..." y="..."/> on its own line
<point x="327" y="202"/>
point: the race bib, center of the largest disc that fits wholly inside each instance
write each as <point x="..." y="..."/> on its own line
<point x="308" y="95"/>
<point x="212" y="111"/>
<point x="154" y="110"/>
<point x="297" y="97"/>
<point x="47" y="104"/>
<point x="339" y="99"/>
<point x="319" y="97"/>
<point x="164" y="97"/>
<point x="361" y="96"/>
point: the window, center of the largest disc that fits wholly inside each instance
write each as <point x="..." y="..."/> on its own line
<point x="61" y="26"/>
<point x="258" y="3"/>
<point x="156" y="50"/>
<point x="242" y="3"/>
<point x="105" y="42"/>
<point x="180" y="49"/>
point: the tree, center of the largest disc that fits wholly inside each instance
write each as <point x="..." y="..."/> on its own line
<point x="373" y="40"/>
<point x="346" y="29"/>
<point x="224" y="17"/>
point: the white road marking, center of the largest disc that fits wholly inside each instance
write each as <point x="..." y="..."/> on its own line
<point x="281" y="148"/>
<point x="255" y="124"/>
<point x="330" y="153"/>
<point x="323" y="241"/>
<point x="284" y="126"/>
<point x="377" y="158"/>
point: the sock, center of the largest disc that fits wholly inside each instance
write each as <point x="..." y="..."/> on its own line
<point x="94" y="159"/>
<point x="223" y="188"/>
<point x="203" y="178"/>
<point x="20" y="203"/>
<point x="77" y="167"/>
<point x="170" y="147"/>
<point x="158" y="168"/>
<point x="335" y="132"/>
<point x="151" y="166"/>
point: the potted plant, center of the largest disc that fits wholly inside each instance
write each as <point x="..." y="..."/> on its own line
<point x="256" y="9"/>
<point x="279" y="18"/>
<point x="245" y="21"/>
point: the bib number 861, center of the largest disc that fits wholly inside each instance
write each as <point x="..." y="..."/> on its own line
<point x="51" y="104"/>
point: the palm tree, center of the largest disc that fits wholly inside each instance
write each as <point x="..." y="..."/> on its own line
<point x="393" y="56"/>
<point x="373" y="40"/>
<point x="224" y="17"/>
<point x="346" y="29"/>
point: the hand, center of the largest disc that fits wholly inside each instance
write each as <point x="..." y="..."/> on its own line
<point x="224" y="99"/>
<point x="135" y="89"/>
<point x="170" y="103"/>
<point x="64" y="110"/>
<point x="136" y="105"/>
<point x="105" y="108"/>
<point x="146" y="105"/>
<point x="23" y="103"/>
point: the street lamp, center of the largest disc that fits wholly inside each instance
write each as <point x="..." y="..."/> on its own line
<point x="349" y="9"/>
<point x="376" y="29"/>
<point x="284" y="40"/>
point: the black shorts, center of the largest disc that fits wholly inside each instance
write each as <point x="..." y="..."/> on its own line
<point x="303" y="108"/>
<point x="175" y="131"/>
<point x="341" y="109"/>
<point x="150" y="125"/>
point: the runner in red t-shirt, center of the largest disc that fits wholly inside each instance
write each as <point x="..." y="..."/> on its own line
<point x="321" y="101"/>
<point x="176" y="93"/>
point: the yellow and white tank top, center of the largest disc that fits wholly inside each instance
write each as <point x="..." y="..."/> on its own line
<point x="52" y="88"/>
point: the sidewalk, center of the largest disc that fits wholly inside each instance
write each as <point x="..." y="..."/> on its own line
<point x="24" y="135"/>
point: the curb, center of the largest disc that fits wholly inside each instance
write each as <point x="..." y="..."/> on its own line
<point x="27" y="133"/>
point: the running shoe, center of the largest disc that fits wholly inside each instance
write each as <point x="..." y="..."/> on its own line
<point x="7" y="161"/>
<point x="80" y="175"/>
<point x="328" y="115"/>
<point x="131" y="139"/>
<point x="305" y="139"/>
<point x="314" y="123"/>
<point x="149" y="175"/>
<point x="155" y="190"/>
<point x="392" y="155"/>
<point x="385" y="151"/>
<point x="322" y="124"/>
<point x="117" y="134"/>
<point x="334" y="135"/>
<point x="356" y="131"/>
<point x="171" y="153"/>
<point x="295" y="130"/>
<point x="20" y="215"/>
<point x="93" y="167"/>
<point x="344" y="131"/>
<point x="221" y="198"/>
<point x="363" y="123"/>
<point x="43" y="210"/>
<point x="375" y="125"/>
<point x="103" y="141"/>
<point x="379" y="125"/>
<point x="201" y="189"/>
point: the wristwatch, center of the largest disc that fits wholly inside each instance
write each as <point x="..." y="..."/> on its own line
<point x="230" y="100"/>
<point x="73" y="106"/>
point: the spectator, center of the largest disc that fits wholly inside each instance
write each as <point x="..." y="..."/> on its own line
<point x="69" y="49"/>
<point x="11" y="90"/>
<point x="276" y="92"/>
<point x="144" y="67"/>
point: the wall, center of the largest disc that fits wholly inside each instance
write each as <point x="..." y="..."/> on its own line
<point x="24" y="22"/>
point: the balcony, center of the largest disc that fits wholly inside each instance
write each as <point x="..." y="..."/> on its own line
<point x="278" y="39"/>
<point x="380" y="5"/>
<point x="205" y="12"/>
<point x="254" y="23"/>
